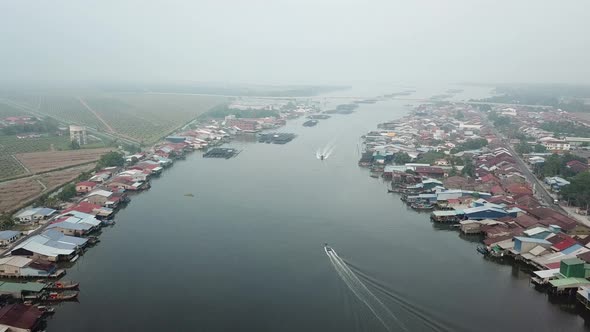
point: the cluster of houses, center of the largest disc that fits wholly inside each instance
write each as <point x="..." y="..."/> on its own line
<point x="17" y="120"/>
<point x="530" y="123"/>
<point x="498" y="203"/>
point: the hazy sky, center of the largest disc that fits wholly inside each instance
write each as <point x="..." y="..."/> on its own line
<point x="296" y="41"/>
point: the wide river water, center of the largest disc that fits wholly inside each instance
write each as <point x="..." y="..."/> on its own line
<point x="246" y="252"/>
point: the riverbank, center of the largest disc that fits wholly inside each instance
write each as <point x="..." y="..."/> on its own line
<point x="445" y="159"/>
<point x="253" y="233"/>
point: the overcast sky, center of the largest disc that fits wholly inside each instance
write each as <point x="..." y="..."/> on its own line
<point x="296" y="41"/>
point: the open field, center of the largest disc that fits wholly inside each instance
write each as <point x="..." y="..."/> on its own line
<point x="11" y="145"/>
<point x="148" y="117"/>
<point x="8" y="110"/>
<point x="37" y="162"/>
<point x="141" y="117"/>
<point x="58" y="178"/>
<point x="14" y="194"/>
<point x="69" y="109"/>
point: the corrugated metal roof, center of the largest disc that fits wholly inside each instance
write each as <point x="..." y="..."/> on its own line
<point x="444" y="213"/>
<point x="569" y="282"/>
<point x="532" y="240"/>
<point x="572" y="249"/>
<point x="101" y="192"/>
<point x="536" y="251"/>
<point x="15" y="261"/>
<point x="546" y="273"/>
<point x="5" y="235"/>
<point x="12" y="287"/>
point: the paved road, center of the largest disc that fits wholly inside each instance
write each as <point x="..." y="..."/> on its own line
<point x="541" y="191"/>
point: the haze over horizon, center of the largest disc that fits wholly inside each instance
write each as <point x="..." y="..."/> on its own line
<point x="296" y="42"/>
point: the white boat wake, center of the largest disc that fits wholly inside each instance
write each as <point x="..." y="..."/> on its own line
<point x="387" y="318"/>
<point x="325" y="152"/>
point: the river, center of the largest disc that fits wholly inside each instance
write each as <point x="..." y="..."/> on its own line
<point x="246" y="252"/>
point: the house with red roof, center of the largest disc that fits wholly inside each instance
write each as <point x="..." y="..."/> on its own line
<point x="564" y="244"/>
<point x="489" y="178"/>
<point x="518" y="190"/>
<point x="85" y="186"/>
<point x="431" y="172"/>
<point x="577" y="166"/>
<point x="20" y="318"/>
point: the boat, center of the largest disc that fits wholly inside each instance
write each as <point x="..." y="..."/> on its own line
<point x="93" y="239"/>
<point x="65" y="296"/>
<point x="62" y="285"/>
<point x="374" y="175"/>
<point x="421" y="206"/>
<point x="108" y="222"/>
<point x="322" y="157"/>
<point x="482" y="250"/>
<point x="189" y="195"/>
<point x="46" y="309"/>
<point x="327" y="248"/>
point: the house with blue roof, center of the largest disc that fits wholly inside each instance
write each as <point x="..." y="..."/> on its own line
<point x="35" y="214"/>
<point x="525" y="244"/>
<point x="486" y="212"/>
<point x="7" y="237"/>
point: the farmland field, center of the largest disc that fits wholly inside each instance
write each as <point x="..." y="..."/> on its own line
<point x="139" y="116"/>
<point x="69" y="109"/>
<point x="17" y="192"/>
<point x="10" y="145"/>
<point x="13" y="192"/>
<point x="148" y="117"/>
<point x="45" y="161"/>
<point x="7" y="110"/>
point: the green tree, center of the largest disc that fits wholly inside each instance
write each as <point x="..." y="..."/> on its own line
<point x="67" y="192"/>
<point x="468" y="168"/>
<point x="110" y="159"/>
<point x="459" y="115"/>
<point x="401" y="158"/>
<point x="523" y="147"/>
<point x="74" y="145"/>
<point x="453" y="171"/>
<point x="578" y="191"/>
<point x="502" y="121"/>
<point x="6" y="221"/>
<point x="538" y="148"/>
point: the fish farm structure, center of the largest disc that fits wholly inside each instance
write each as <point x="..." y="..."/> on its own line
<point x="276" y="138"/>
<point x="221" y="153"/>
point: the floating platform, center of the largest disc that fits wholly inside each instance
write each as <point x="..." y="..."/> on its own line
<point x="318" y="116"/>
<point x="221" y="153"/>
<point x="310" y="123"/>
<point x="276" y="138"/>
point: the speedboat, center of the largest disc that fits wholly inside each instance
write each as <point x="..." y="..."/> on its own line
<point x="322" y="157"/>
<point x="327" y="248"/>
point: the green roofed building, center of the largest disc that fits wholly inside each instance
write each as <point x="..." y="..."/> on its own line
<point x="573" y="268"/>
<point x="21" y="289"/>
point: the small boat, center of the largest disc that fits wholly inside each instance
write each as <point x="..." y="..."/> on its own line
<point x="65" y="296"/>
<point x="327" y="248"/>
<point x="46" y="309"/>
<point x="375" y="175"/>
<point x="108" y="222"/>
<point x="482" y="250"/>
<point x="421" y="206"/>
<point x="62" y="285"/>
<point x="189" y="195"/>
<point x="93" y="239"/>
<point x="322" y="157"/>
